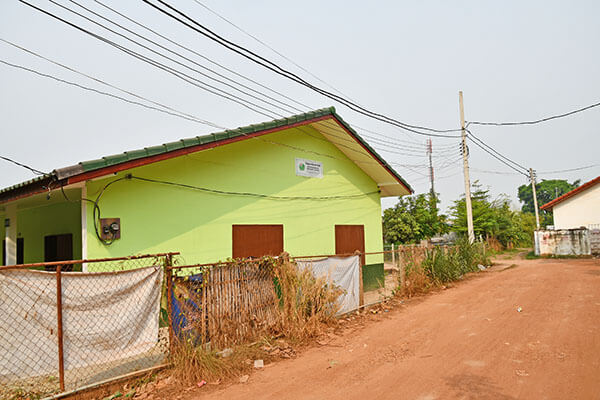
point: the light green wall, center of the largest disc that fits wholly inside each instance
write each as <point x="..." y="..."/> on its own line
<point x="160" y="218"/>
<point x="33" y="224"/>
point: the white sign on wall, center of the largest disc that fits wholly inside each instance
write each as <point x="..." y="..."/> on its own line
<point x="309" y="168"/>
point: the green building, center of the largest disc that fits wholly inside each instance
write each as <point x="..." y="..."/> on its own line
<point x="307" y="184"/>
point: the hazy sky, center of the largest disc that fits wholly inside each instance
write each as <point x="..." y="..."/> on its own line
<point x="513" y="60"/>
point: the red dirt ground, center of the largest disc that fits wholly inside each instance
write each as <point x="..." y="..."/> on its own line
<point x="467" y="342"/>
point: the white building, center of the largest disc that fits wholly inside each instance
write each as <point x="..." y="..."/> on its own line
<point x="578" y="208"/>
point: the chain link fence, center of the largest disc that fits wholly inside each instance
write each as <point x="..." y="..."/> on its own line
<point x="61" y="331"/>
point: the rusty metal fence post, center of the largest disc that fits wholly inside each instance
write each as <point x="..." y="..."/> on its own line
<point x="38" y="350"/>
<point x="59" y="329"/>
<point x="169" y="278"/>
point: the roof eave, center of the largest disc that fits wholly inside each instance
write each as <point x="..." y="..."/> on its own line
<point x="120" y="162"/>
<point x="574" y="192"/>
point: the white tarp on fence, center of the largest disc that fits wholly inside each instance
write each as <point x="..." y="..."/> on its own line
<point x="106" y="317"/>
<point x="344" y="272"/>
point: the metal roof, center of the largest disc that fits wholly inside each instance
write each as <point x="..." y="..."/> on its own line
<point x="116" y="159"/>
<point x="25" y="183"/>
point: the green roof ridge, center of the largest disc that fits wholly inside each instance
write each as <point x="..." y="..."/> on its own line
<point x="130" y="155"/>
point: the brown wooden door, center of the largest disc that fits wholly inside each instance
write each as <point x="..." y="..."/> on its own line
<point x="257" y="240"/>
<point x="349" y="238"/>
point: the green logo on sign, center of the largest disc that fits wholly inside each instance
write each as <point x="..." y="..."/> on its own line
<point x="301" y="166"/>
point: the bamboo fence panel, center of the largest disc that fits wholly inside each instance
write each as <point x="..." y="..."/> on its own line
<point x="237" y="303"/>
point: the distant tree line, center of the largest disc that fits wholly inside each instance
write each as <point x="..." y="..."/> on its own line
<point x="418" y="217"/>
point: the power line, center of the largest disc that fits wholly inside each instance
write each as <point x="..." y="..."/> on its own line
<point x="136" y="55"/>
<point x="173" y="60"/>
<point x="474" y="139"/>
<point x="201" y="55"/>
<point x="539" y="172"/>
<point x="35" y="171"/>
<point x="484" y="171"/>
<point x="407" y="147"/>
<point x="181" y="75"/>
<point x="189" y="116"/>
<point x="101" y="92"/>
<point x="537" y="121"/>
<point x="208" y="59"/>
<point x="381" y="142"/>
<point x="250" y="194"/>
<point x="569" y="170"/>
<point x="278" y="53"/>
<point x="329" y="133"/>
<point x="269" y="47"/>
<point x="262" y="61"/>
<point x="497" y="158"/>
<point x="175" y="72"/>
<point x="193" y="119"/>
<point x="160" y="110"/>
<point x="293" y="108"/>
<point x="411" y="142"/>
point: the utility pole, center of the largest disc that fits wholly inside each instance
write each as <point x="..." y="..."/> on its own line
<point x="537" y="214"/>
<point x="466" y="170"/>
<point x="429" y="152"/>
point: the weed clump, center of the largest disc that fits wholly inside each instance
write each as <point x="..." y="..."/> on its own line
<point x="307" y="303"/>
<point x="434" y="267"/>
<point x="304" y="306"/>
<point x="193" y="363"/>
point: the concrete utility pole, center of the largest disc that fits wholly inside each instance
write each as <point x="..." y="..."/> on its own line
<point x="429" y="152"/>
<point x="537" y="214"/>
<point x="466" y="170"/>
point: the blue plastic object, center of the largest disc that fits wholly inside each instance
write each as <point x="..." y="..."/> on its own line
<point x="179" y="307"/>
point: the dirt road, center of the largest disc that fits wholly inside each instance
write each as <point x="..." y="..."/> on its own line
<point x="467" y="342"/>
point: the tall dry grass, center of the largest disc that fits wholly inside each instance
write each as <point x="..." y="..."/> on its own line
<point x="192" y="363"/>
<point x="307" y="304"/>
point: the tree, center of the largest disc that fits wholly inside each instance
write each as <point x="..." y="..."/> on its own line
<point x="484" y="221"/>
<point x="412" y="219"/>
<point x="493" y="218"/>
<point x="513" y="227"/>
<point x="547" y="190"/>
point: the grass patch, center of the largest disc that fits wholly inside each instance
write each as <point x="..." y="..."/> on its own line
<point x="531" y="256"/>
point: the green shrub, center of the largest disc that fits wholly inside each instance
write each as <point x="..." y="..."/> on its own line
<point x="447" y="264"/>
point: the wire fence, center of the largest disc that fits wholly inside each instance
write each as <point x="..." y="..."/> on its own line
<point x="61" y="331"/>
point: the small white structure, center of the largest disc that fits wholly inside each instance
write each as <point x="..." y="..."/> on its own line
<point x="564" y="242"/>
<point x="578" y="208"/>
<point x="576" y="229"/>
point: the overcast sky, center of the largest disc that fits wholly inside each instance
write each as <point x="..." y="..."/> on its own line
<point x="513" y="60"/>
